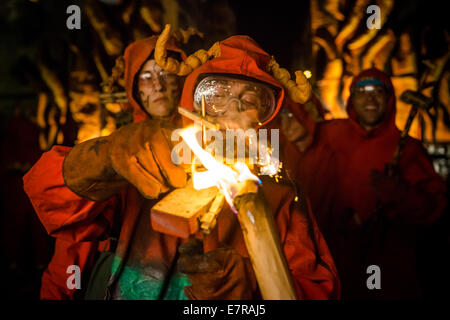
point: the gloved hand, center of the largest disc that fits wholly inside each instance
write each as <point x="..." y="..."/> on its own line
<point x="388" y="190"/>
<point x="139" y="153"/>
<point x="221" y="274"/>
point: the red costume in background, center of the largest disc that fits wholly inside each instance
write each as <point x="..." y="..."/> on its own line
<point x="80" y="224"/>
<point x="336" y="170"/>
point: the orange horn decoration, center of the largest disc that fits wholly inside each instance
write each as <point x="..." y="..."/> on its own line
<point x="300" y="90"/>
<point x="185" y="67"/>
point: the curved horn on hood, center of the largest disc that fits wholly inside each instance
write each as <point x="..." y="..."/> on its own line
<point x="181" y="68"/>
<point x="300" y="91"/>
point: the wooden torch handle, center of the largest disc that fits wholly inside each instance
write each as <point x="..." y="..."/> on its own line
<point x="264" y="247"/>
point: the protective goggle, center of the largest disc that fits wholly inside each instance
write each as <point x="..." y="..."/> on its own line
<point x="163" y="77"/>
<point x="223" y="93"/>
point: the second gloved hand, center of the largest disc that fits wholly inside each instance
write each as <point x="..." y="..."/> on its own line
<point x="219" y="274"/>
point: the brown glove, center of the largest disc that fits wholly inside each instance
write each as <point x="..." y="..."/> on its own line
<point x="221" y="274"/>
<point x="139" y="153"/>
<point x="389" y="190"/>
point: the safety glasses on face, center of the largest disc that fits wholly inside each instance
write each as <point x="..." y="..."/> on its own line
<point x="164" y="77"/>
<point x="226" y="94"/>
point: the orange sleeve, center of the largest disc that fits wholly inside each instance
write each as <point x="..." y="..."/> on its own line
<point x="63" y="213"/>
<point x="309" y="259"/>
<point x="78" y="225"/>
<point x="67" y="253"/>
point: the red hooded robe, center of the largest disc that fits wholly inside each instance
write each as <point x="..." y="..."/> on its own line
<point x="336" y="172"/>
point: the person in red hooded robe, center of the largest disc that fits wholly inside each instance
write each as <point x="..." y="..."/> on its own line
<point x="156" y="97"/>
<point x="80" y="194"/>
<point x="369" y="217"/>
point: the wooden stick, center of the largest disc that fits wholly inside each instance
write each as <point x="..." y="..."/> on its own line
<point x="195" y="117"/>
<point x="263" y="245"/>
<point x="203" y="125"/>
<point x="208" y="220"/>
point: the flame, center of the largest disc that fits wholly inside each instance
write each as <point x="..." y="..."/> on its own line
<point x="225" y="178"/>
<point x="269" y="165"/>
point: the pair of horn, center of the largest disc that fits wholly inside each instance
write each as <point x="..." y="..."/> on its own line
<point x="185" y="67"/>
<point x="299" y="90"/>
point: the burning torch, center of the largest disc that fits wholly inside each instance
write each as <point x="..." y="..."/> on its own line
<point x="241" y="189"/>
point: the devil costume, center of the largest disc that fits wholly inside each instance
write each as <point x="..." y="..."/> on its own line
<point x="83" y="216"/>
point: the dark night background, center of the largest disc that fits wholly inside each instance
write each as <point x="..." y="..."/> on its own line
<point x="34" y="30"/>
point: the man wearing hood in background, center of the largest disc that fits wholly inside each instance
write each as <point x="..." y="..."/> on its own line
<point x="81" y="193"/>
<point x="367" y="216"/>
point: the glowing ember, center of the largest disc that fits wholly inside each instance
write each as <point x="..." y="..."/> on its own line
<point x="307" y="73"/>
<point x="223" y="177"/>
<point x="269" y="165"/>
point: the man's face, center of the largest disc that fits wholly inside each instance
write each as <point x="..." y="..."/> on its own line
<point x="370" y="103"/>
<point x="291" y="127"/>
<point x="235" y="103"/>
<point x="241" y="108"/>
<point x="159" y="91"/>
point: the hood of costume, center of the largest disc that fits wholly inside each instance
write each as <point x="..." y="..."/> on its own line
<point x="136" y="54"/>
<point x="239" y="55"/>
